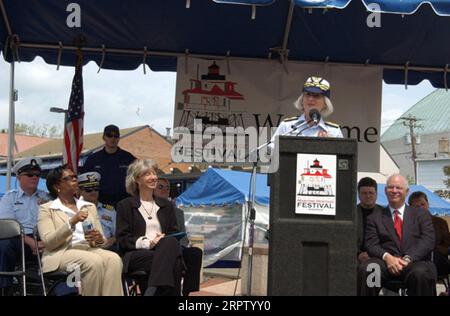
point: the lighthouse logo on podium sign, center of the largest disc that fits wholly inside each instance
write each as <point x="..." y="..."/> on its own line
<point x="316" y="184"/>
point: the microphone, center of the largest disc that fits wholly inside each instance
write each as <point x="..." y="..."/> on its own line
<point x="315" y="116"/>
<point x="298" y="125"/>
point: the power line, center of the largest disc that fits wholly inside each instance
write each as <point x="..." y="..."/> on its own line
<point x="411" y="122"/>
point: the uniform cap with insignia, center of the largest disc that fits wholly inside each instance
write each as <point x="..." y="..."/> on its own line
<point x="320" y="86"/>
<point x="89" y="180"/>
<point x="27" y="164"/>
<point x="317" y="85"/>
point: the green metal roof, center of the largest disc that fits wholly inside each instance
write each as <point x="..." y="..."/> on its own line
<point x="432" y="112"/>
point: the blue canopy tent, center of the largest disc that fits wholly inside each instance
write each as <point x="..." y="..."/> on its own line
<point x="410" y="43"/>
<point x="438" y="206"/>
<point x="215" y="206"/>
<point x="122" y="35"/>
<point x="218" y="187"/>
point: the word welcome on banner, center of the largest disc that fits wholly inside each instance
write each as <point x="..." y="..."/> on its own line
<point x="242" y="94"/>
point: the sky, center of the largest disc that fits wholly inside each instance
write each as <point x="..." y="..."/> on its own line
<point x="129" y="98"/>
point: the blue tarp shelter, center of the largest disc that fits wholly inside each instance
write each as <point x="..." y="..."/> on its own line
<point x="122" y="35"/>
<point x="215" y="206"/>
<point x="224" y="187"/>
<point x="438" y="206"/>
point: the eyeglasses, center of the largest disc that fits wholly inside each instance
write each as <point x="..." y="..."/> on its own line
<point x="89" y="190"/>
<point x="112" y="135"/>
<point x="32" y="174"/>
<point x="164" y="187"/>
<point x="69" y="178"/>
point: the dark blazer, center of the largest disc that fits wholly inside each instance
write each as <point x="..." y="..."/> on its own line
<point x="361" y="219"/>
<point x="131" y="225"/>
<point x="417" y="234"/>
<point x="442" y="235"/>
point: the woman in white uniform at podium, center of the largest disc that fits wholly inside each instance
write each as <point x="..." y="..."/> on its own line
<point x="314" y="105"/>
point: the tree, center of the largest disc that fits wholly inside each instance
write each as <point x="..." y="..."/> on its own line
<point x="35" y="129"/>
<point x="445" y="193"/>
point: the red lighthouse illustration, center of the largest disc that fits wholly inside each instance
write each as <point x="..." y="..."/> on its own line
<point x="210" y="99"/>
<point x="314" y="181"/>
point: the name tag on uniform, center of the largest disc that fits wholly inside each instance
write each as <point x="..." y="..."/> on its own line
<point x="107" y="218"/>
<point x="18" y="203"/>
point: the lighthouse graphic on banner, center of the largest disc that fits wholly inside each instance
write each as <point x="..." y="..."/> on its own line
<point x="316" y="184"/>
<point x="210" y="99"/>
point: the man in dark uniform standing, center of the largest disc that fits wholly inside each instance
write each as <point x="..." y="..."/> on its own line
<point x="111" y="163"/>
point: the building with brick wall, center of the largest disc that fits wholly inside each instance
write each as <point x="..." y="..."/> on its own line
<point x="141" y="141"/>
<point x="23" y="142"/>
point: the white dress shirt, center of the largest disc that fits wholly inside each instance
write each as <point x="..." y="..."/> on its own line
<point x="153" y="227"/>
<point x="78" y="233"/>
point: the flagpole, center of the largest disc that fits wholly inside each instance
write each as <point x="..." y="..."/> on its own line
<point x="11" y="129"/>
<point x="73" y="121"/>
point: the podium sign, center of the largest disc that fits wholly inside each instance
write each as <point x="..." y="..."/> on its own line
<point x="316" y="184"/>
<point x="313" y="242"/>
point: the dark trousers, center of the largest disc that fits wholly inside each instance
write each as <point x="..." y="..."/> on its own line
<point x="193" y="260"/>
<point x="419" y="277"/>
<point x="163" y="263"/>
<point x="442" y="263"/>
<point x="10" y="255"/>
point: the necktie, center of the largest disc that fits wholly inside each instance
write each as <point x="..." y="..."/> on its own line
<point x="398" y="224"/>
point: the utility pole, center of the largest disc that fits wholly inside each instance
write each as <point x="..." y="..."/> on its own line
<point x="411" y="122"/>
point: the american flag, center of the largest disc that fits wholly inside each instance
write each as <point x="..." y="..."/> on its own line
<point x="73" y="129"/>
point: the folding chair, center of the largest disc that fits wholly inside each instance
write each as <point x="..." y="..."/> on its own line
<point x="135" y="277"/>
<point x="55" y="277"/>
<point x="11" y="228"/>
<point x="444" y="278"/>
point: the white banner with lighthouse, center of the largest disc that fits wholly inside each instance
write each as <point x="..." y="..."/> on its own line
<point x="261" y="93"/>
<point x="316" y="184"/>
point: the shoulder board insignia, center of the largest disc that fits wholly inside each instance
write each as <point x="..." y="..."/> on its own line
<point x="109" y="207"/>
<point x="291" y="119"/>
<point x="332" y="124"/>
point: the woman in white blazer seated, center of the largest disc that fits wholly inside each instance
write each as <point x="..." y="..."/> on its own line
<point x="67" y="247"/>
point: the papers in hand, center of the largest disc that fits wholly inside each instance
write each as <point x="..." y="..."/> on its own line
<point x="178" y="235"/>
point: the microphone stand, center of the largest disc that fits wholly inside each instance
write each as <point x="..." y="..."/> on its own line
<point x="301" y="131"/>
<point x="251" y="203"/>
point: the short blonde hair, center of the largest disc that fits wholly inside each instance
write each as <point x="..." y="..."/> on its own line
<point x="329" y="106"/>
<point x="135" y="170"/>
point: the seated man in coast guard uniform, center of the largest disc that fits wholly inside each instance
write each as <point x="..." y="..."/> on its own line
<point x="315" y="97"/>
<point x="21" y="204"/>
<point x="89" y="183"/>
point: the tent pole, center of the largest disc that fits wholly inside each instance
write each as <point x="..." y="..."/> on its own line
<point x="11" y="131"/>
<point x="5" y="17"/>
<point x="287" y="28"/>
<point x="140" y="52"/>
<point x="251" y="234"/>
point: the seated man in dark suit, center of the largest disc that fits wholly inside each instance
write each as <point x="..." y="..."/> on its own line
<point x="399" y="240"/>
<point x="442" y="243"/>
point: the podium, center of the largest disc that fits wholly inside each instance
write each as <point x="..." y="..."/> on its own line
<point x="313" y="233"/>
